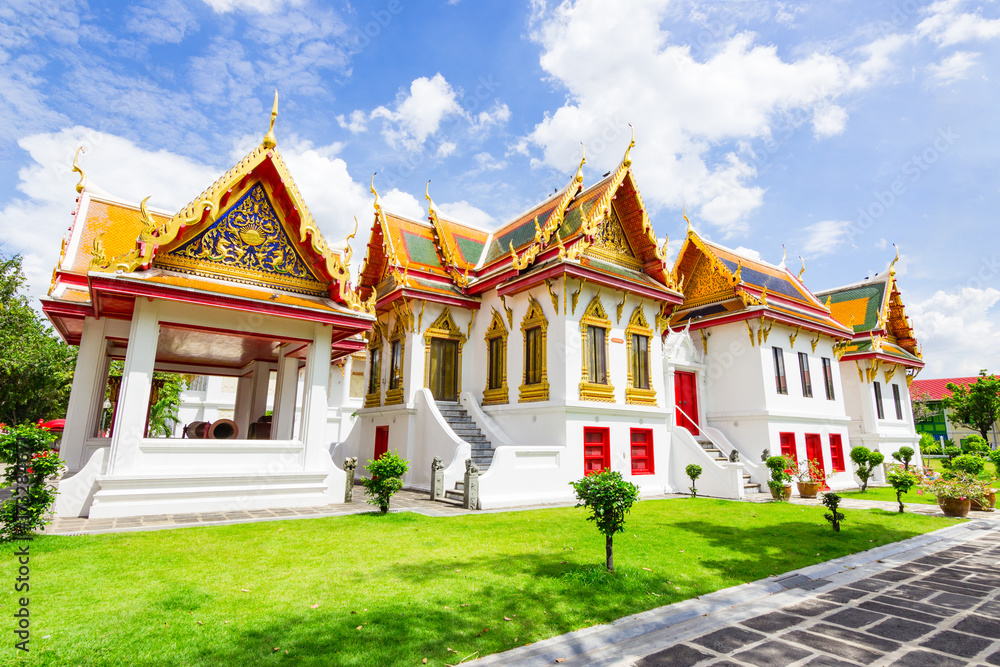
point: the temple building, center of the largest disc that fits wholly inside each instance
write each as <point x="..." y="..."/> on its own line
<point x="563" y="343"/>
<point x="239" y="283"/>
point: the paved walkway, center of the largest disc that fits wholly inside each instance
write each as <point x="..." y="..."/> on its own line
<point x="930" y="601"/>
<point x="402" y="501"/>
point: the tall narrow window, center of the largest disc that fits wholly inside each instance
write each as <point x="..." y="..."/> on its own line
<point x="595" y="384"/>
<point x="534" y="382"/>
<point x="395" y="364"/>
<point x="533" y="355"/>
<point x="787" y="443"/>
<point x="807" y="387"/>
<point x="495" y="379"/>
<point x="374" y="396"/>
<point x="597" y="367"/>
<point x="496" y="364"/>
<point x="879" y="410"/>
<point x="638" y="389"/>
<point x="897" y="401"/>
<point x="394" y="394"/>
<point x="640" y="362"/>
<point x="779" y="371"/>
<point x="828" y="379"/>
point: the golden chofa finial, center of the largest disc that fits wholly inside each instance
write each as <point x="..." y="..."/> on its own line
<point x="892" y="265"/>
<point x="269" y="141"/>
<point x="579" y="170"/>
<point x="76" y="168"/>
<point x="430" y="202"/>
<point x="627" y="161"/>
<point x="348" y="252"/>
<point x="377" y="204"/>
<point x="803" y="269"/>
<point x="684" y="213"/>
<point x="784" y="255"/>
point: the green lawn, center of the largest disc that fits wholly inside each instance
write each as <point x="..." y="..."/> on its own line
<point x="392" y="590"/>
<point x="888" y="494"/>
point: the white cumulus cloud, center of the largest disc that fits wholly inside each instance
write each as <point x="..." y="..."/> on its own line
<point x="418" y="113"/>
<point x="959" y="330"/>
<point x="953" y="68"/>
<point x="824" y="237"/>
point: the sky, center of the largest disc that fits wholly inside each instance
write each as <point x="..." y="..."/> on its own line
<point x="835" y="128"/>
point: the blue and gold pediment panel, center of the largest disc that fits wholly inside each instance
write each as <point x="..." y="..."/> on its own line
<point x="247" y="243"/>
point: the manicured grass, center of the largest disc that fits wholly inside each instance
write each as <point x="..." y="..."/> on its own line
<point x="392" y="590"/>
<point x="888" y="494"/>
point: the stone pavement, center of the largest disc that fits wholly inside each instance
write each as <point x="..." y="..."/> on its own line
<point x="402" y="501"/>
<point x="930" y="601"/>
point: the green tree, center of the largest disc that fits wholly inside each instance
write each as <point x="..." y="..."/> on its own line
<point x="975" y="406"/>
<point x="609" y="499"/>
<point x="163" y="413"/>
<point x="36" y="368"/>
<point x="26" y="450"/>
<point x="904" y="456"/>
<point x="923" y="411"/>
<point x="867" y="461"/>
<point x="694" y="472"/>
<point x="387" y="478"/>
<point x="902" y="480"/>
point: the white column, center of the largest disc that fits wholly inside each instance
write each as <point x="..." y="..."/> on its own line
<point x="316" y="396"/>
<point x="284" y="397"/>
<point x="86" y="398"/>
<point x="260" y="378"/>
<point x="244" y="393"/>
<point x="137" y="379"/>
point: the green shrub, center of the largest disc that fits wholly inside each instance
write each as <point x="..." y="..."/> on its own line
<point x="975" y="444"/>
<point x="832" y="501"/>
<point x="904" y="456"/>
<point x="779" y="467"/>
<point x="902" y="481"/>
<point x="927" y="440"/>
<point x="951" y="452"/>
<point x="387" y="478"/>
<point x="929" y="450"/>
<point x="995" y="457"/>
<point x="968" y="463"/>
<point x="26" y="451"/>
<point x="694" y="472"/>
<point x="609" y="499"/>
<point x="867" y="461"/>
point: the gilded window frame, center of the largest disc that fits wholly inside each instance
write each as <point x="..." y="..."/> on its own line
<point x="395" y="396"/>
<point x="444" y="327"/>
<point x="596" y="316"/>
<point x="638" y="326"/>
<point x="534" y="317"/>
<point x="374" y="399"/>
<point x="497" y="329"/>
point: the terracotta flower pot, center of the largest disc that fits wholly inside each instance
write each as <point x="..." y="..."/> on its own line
<point x="808" y="489"/>
<point x="786" y="493"/>
<point x="955" y="506"/>
<point x="991" y="502"/>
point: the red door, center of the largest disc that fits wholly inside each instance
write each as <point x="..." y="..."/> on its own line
<point x="596" y="449"/>
<point x="686" y="398"/>
<point x="381" y="440"/>
<point x="814" y="450"/>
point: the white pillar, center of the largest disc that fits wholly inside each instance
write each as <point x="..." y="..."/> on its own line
<point x="316" y="396"/>
<point x="244" y="394"/>
<point x="137" y="380"/>
<point x="86" y="399"/>
<point x="284" y="396"/>
<point x="260" y="379"/>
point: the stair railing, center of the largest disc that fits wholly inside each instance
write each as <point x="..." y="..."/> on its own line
<point x="702" y="432"/>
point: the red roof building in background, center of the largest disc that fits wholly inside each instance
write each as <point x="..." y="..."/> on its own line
<point x="934" y="391"/>
<point x="937" y="389"/>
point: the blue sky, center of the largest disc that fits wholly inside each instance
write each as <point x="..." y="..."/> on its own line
<point x="836" y="128"/>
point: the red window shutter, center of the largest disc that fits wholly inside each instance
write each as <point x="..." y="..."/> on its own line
<point x="642" y="451"/>
<point x="787" y="441"/>
<point x="596" y="449"/>
<point x="837" y="453"/>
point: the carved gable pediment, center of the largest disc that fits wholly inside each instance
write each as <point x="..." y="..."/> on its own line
<point x="247" y="243"/>
<point x="611" y="243"/>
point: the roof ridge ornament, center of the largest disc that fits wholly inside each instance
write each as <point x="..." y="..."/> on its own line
<point x="579" y="170"/>
<point x="803" y="269"/>
<point x="76" y="167"/>
<point x="431" y="209"/>
<point x="690" y="230"/>
<point x="627" y="161"/>
<point x="378" y="206"/>
<point x="269" y="141"/>
<point x="892" y="264"/>
<point x="784" y="256"/>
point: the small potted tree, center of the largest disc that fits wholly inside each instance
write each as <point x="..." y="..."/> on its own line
<point x="810" y="478"/>
<point x="780" y="482"/>
<point x="867" y="461"/>
<point x="694" y="472"/>
<point x="902" y="480"/>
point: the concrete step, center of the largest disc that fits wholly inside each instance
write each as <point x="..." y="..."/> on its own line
<point x="452" y="494"/>
<point x="752" y="488"/>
